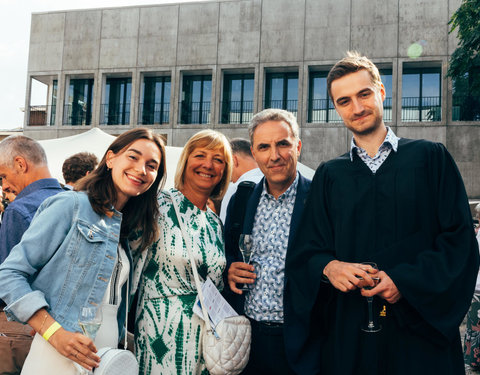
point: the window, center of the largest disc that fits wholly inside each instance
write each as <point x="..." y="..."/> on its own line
<point x="320" y="106"/>
<point x="155" y="108"/>
<point x="386" y="77"/>
<point x="78" y="110"/>
<point x="421" y="95"/>
<point x="465" y="103"/>
<point x="281" y="91"/>
<point x="43" y="93"/>
<point x="116" y="106"/>
<point x="53" y="115"/>
<point x="237" y="104"/>
<point x="196" y="96"/>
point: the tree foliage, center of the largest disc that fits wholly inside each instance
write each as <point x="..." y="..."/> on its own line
<point x="466" y="58"/>
<point x="464" y="65"/>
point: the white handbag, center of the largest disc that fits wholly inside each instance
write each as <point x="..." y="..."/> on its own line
<point x="226" y="347"/>
<point x="115" y="361"/>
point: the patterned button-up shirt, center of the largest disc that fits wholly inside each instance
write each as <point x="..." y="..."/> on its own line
<point x="390" y="143"/>
<point x="271" y="227"/>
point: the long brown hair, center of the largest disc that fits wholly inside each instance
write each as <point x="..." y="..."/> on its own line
<point x="140" y="211"/>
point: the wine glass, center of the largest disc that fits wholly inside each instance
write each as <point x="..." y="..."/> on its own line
<point x="371" y="326"/>
<point x="89" y="320"/>
<point x="245" y="244"/>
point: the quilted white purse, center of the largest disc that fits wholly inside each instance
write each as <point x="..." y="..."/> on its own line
<point x="226" y="347"/>
<point x="116" y="361"/>
<point x="226" y="351"/>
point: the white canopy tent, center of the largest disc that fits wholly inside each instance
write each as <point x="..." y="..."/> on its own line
<point x="97" y="141"/>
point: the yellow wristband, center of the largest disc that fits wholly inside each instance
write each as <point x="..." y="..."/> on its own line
<point x="51" y="330"/>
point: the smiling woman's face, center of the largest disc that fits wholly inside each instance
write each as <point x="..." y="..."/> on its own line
<point x="204" y="170"/>
<point x="134" y="169"/>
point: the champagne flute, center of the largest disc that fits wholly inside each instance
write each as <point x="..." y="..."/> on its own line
<point x="371" y="325"/>
<point x="89" y="320"/>
<point x="245" y="244"/>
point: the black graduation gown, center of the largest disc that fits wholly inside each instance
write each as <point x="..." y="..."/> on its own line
<point x="412" y="218"/>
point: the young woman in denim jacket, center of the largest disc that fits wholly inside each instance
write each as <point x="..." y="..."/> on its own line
<point x="74" y="245"/>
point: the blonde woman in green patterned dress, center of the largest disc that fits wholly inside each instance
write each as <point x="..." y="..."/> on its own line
<point x="167" y="335"/>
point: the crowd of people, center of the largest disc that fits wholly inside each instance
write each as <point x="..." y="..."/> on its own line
<point x="387" y="223"/>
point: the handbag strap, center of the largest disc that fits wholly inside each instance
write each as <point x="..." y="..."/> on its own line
<point x="189" y="247"/>
<point x="125" y="344"/>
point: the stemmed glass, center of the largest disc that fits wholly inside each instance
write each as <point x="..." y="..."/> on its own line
<point x="245" y="244"/>
<point x="89" y="320"/>
<point x="372" y="325"/>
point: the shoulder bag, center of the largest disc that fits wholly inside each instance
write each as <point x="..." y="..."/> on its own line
<point x="115" y="361"/>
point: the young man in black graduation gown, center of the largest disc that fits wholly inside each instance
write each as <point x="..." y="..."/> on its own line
<point x="399" y="203"/>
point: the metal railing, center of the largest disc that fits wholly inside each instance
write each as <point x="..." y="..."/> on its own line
<point x="387" y="110"/>
<point x="156" y="113"/>
<point x="465" y="108"/>
<point x="288" y="105"/>
<point x="74" y="114"/>
<point x="237" y="112"/>
<point x="42" y="115"/>
<point x="194" y="112"/>
<point x="424" y="109"/>
<point x="322" y="110"/>
<point x="118" y="114"/>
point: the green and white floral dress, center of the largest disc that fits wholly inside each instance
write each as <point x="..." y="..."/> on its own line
<point x="167" y="335"/>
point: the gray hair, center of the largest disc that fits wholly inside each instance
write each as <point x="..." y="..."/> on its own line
<point x="241" y="146"/>
<point x="19" y="145"/>
<point x="274" y="114"/>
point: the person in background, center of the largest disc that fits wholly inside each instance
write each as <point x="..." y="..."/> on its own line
<point x="396" y="202"/>
<point x="76" y="254"/>
<point x="25" y="175"/>
<point x="24" y="172"/>
<point x="272" y="215"/>
<point x="77" y="166"/>
<point x="471" y="342"/>
<point x="168" y="334"/>
<point x="245" y="168"/>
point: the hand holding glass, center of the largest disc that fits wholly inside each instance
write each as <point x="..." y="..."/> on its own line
<point x="245" y="244"/>
<point x="89" y="320"/>
<point x="371" y="326"/>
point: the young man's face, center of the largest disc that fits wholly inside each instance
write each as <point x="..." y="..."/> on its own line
<point x="358" y="102"/>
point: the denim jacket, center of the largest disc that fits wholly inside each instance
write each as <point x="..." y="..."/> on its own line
<point x="63" y="262"/>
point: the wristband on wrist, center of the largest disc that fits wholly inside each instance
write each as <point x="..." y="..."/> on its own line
<point x="51" y="330"/>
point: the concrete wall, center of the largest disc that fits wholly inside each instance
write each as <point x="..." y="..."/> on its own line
<point x="255" y="36"/>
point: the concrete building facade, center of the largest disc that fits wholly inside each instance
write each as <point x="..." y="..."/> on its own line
<point x="179" y="68"/>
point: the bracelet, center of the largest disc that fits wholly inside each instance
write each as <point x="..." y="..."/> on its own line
<point x="51" y="330"/>
<point x="43" y="323"/>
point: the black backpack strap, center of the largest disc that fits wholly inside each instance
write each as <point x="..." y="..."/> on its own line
<point x="244" y="190"/>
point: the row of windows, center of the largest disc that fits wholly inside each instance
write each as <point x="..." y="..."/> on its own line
<point x="421" y="99"/>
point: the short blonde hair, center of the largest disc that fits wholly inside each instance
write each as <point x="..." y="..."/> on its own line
<point x="211" y="140"/>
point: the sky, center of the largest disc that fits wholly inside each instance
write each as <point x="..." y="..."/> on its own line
<point x="15" y="18"/>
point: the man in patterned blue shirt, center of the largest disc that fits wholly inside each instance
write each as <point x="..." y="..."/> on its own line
<point x="394" y="202"/>
<point x="272" y="215"/>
